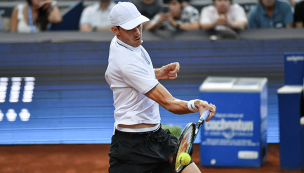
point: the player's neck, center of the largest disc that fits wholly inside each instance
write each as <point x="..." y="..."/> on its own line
<point x="119" y="38"/>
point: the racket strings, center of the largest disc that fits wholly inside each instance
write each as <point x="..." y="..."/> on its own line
<point x="185" y="145"/>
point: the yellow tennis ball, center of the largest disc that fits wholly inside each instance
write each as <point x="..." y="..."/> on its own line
<point x="184" y="159"/>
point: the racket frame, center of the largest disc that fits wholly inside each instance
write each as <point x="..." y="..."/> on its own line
<point x="195" y="129"/>
<point x="180" y="139"/>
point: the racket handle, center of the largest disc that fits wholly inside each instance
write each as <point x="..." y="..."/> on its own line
<point x="205" y="115"/>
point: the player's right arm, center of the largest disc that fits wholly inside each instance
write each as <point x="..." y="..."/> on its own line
<point x="163" y="97"/>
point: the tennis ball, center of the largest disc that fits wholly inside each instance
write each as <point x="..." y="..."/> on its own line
<point x="184" y="158"/>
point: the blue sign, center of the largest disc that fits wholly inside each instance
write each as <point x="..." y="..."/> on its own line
<point x="294" y="68"/>
<point x="291" y="131"/>
<point x="72" y="103"/>
<point x="236" y="136"/>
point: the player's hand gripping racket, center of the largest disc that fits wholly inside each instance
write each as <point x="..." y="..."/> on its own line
<point x="186" y="140"/>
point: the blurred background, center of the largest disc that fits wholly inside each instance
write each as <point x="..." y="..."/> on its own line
<point x="56" y="109"/>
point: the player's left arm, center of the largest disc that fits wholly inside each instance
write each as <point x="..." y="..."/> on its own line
<point x="163" y="97"/>
<point x="168" y="71"/>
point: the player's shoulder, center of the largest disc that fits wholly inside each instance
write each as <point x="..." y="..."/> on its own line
<point x="122" y="50"/>
<point x="121" y="53"/>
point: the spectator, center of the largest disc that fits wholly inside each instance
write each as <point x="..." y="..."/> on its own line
<point x="271" y="14"/>
<point x="148" y="8"/>
<point x="299" y="15"/>
<point x="97" y="16"/>
<point x="177" y="17"/>
<point x="293" y="2"/>
<point x="185" y="3"/>
<point x="1" y="12"/>
<point x="223" y="14"/>
<point x="35" y="16"/>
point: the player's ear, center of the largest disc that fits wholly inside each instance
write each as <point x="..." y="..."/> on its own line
<point x="115" y="30"/>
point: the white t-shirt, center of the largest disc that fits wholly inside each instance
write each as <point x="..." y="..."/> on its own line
<point x="22" y="26"/>
<point x="235" y="13"/>
<point x="96" y="17"/>
<point x="189" y="15"/>
<point x="130" y="75"/>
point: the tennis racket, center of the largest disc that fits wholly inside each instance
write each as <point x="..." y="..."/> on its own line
<point x="186" y="140"/>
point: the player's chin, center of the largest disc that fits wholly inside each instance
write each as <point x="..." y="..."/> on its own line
<point x="137" y="43"/>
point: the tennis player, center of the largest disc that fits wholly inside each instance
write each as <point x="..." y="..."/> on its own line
<point x="139" y="144"/>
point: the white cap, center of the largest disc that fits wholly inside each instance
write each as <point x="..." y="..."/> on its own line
<point x="126" y="15"/>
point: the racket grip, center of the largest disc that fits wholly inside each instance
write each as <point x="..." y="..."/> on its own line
<point x="205" y="114"/>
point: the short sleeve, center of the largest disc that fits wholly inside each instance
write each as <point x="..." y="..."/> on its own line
<point x="192" y="14"/>
<point x="85" y="16"/>
<point x="240" y="14"/>
<point x="135" y="75"/>
<point x="288" y="16"/>
<point x="205" y="15"/>
<point x="252" y="21"/>
<point x="20" y="8"/>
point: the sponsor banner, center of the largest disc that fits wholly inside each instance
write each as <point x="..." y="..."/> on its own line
<point x="13" y="90"/>
<point x="222" y="131"/>
<point x="294" y="68"/>
<point x="236" y="135"/>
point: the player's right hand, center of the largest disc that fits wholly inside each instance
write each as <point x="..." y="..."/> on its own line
<point x="203" y="105"/>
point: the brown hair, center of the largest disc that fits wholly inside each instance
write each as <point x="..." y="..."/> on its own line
<point x="42" y="19"/>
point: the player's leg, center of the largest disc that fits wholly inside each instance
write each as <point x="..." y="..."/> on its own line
<point x="191" y="168"/>
<point x="128" y="154"/>
<point x="163" y="168"/>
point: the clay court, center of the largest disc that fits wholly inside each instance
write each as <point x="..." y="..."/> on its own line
<point x="93" y="158"/>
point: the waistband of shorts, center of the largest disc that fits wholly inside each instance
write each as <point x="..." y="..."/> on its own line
<point x="136" y="134"/>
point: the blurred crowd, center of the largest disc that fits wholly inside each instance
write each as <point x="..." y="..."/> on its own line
<point x="34" y="16"/>
<point x="172" y="15"/>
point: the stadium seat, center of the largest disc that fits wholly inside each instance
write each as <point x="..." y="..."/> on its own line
<point x="70" y="19"/>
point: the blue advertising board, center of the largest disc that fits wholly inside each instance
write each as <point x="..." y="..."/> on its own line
<point x="291" y="109"/>
<point x="294" y="68"/>
<point x="35" y="110"/>
<point x="291" y="131"/>
<point x="72" y="103"/>
<point x="302" y="140"/>
<point x="236" y="136"/>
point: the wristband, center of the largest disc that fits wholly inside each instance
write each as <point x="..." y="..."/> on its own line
<point x="191" y="106"/>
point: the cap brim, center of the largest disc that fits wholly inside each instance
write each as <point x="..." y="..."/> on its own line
<point x="134" y="22"/>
